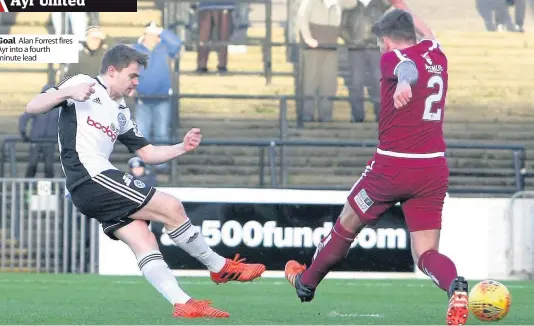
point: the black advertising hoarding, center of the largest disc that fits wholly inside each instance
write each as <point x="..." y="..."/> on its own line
<point x="273" y="233"/>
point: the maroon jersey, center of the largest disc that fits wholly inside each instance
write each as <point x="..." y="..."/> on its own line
<point x="416" y="128"/>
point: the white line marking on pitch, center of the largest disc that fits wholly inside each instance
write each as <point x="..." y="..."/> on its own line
<point x="335" y="314"/>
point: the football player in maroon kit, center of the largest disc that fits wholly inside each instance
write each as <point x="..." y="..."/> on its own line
<point x="409" y="165"/>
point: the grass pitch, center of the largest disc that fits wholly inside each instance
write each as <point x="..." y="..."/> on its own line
<point x="89" y="299"/>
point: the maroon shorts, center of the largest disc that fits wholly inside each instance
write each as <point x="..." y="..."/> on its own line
<point x="420" y="187"/>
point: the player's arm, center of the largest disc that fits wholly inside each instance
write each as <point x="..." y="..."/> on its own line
<point x="61" y="95"/>
<point x="161" y="154"/>
<point x="407" y="76"/>
<point x="420" y="26"/>
<point x="45" y="102"/>
<point x="151" y="154"/>
<point x="407" y="72"/>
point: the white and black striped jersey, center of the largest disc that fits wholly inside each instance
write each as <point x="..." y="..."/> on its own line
<point x="87" y="131"/>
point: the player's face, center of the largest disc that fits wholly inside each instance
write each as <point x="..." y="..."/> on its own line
<point x="127" y="79"/>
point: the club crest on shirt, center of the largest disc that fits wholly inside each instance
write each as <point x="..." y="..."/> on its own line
<point x="139" y="184"/>
<point x="122" y="119"/>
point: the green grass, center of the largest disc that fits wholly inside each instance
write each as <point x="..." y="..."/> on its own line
<point x="89" y="299"/>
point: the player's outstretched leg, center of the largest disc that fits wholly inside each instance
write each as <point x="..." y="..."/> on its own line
<point x="442" y="270"/>
<point x="170" y="211"/>
<point x="332" y="249"/>
<point x="143" y="243"/>
<point x="236" y="270"/>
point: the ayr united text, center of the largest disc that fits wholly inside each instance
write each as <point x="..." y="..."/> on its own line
<point x="48" y="3"/>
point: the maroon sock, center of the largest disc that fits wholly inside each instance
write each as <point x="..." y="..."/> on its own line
<point x="438" y="267"/>
<point x="332" y="249"/>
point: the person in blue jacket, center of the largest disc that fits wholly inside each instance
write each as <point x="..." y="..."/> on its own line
<point x="153" y="116"/>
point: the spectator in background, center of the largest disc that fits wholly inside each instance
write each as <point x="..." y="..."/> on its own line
<point x="90" y="59"/>
<point x="318" y="23"/>
<point x="520" y="13"/>
<point x="214" y="16"/>
<point x="495" y="14"/>
<point x="241" y="24"/>
<point x="364" y="60"/>
<point x="161" y="46"/>
<point x="138" y="169"/>
<point x="43" y="126"/>
<point x="78" y="23"/>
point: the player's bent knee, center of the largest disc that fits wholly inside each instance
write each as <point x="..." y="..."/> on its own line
<point x="174" y="213"/>
<point x="350" y="219"/>
<point x="163" y="208"/>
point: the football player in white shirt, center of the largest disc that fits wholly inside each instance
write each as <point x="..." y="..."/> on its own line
<point x="93" y="116"/>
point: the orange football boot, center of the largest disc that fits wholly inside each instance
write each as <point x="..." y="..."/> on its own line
<point x="458" y="302"/>
<point x="237" y="270"/>
<point x="292" y="270"/>
<point x="198" y="309"/>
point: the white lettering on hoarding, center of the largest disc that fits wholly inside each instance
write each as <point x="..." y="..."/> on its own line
<point x="253" y="234"/>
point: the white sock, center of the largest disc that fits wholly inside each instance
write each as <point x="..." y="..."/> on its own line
<point x="190" y="239"/>
<point x="158" y="273"/>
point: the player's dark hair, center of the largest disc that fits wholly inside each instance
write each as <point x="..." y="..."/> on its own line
<point x="396" y="24"/>
<point x="121" y="56"/>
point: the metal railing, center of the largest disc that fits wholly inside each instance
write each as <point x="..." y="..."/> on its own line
<point x="277" y="166"/>
<point x="519" y="251"/>
<point x="41" y="231"/>
<point x="298" y="75"/>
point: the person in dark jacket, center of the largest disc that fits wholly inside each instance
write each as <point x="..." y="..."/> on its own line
<point x="90" y="57"/>
<point x="138" y="169"/>
<point x="43" y="126"/>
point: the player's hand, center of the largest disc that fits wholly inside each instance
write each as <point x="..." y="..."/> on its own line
<point x="312" y="43"/>
<point x="192" y="139"/>
<point x="82" y="92"/>
<point x="403" y="94"/>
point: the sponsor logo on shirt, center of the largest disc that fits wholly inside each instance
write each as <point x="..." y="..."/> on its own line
<point x="105" y="129"/>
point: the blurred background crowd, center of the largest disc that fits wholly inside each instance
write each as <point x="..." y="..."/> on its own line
<point x="311" y="63"/>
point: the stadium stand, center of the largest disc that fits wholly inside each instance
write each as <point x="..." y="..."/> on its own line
<point x="490" y="102"/>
